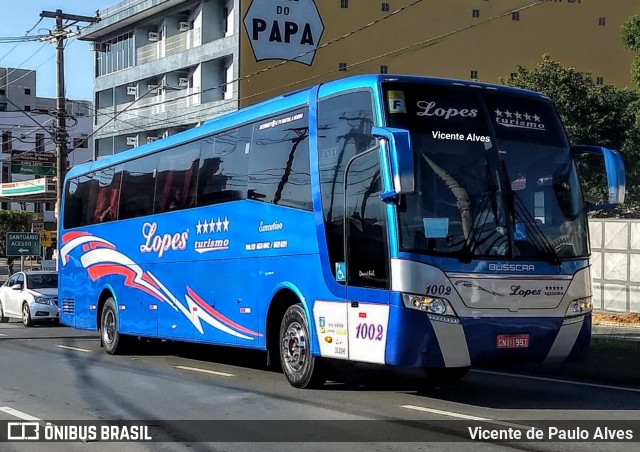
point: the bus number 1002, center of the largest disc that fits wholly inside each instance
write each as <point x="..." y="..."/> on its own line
<point x="438" y="289"/>
<point x="369" y="331"/>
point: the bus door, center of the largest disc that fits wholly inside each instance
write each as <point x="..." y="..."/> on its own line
<point x="367" y="259"/>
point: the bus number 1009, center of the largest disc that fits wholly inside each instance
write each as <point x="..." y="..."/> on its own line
<point x="369" y="331"/>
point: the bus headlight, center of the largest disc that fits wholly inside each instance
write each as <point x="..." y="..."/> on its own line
<point x="432" y="305"/>
<point x="579" y="306"/>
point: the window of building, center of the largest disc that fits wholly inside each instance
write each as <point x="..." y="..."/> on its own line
<point x="599" y="80"/>
<point x="385" y="6"/>
<point x="2" y="92"/>
<point x="513" y="75"/>
<point x="27" y="91"/>
<point x="475" y="13"/>
<point x="27" y="108"/>
<point x="279" y="161"/>
<point x="602" y="21"/>
<point x="115" y="54"/>
<point x="384" y="69"/>
<point x="342" y="67"/>
<point x="344" y="3"/>
<point x="474" y="75"/>
<point x="515" y="15"/>
<point x="225" y="19"/>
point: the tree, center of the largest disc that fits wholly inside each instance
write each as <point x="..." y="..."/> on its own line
<point x="631" y="41"/>
<point x="12" y="221"/>
<point x="598" y="115"/>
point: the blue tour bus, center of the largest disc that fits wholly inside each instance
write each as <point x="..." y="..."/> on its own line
<point x="397" y="220"/>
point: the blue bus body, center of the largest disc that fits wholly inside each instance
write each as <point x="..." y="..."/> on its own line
<point x="228" y="272"/>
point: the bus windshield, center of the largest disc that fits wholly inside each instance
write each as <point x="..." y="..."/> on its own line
<point x="494" y="175"/>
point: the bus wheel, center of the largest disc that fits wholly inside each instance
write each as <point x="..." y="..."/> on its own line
<point x="444" y="375"/>
<point x="302" y="369"/>
<point x="114" y="342"/>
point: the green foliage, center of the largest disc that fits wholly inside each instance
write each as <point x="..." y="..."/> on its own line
<point x="631" y="41"/>
<point x="597" y="115"/>
<point x="12" y="221"/>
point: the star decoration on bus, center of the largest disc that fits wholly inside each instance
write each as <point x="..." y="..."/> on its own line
<point x="212" y="225"/>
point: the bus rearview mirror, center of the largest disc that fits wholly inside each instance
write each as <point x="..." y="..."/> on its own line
<point x="614" y="169"/>
<point x="400" y="161"/>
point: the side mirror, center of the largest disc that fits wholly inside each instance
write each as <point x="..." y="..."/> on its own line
<point x="399" y="158"/>
<point x="614" y="168"/>
<point x="17" y="287"/>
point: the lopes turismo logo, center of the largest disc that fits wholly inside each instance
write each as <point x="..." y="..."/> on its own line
<point x="519" y="120"/>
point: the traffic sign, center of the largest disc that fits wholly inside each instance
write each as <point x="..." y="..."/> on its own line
<point x="23" y="244"/>
<point x="45" y="237"/>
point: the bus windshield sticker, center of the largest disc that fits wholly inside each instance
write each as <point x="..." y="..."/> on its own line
<point x="436" y="227"/>
<point x="396" y="102"/>
<point x="518" y="120"/>
<point x="430" y="108"/>
<point x="341" y="271"/>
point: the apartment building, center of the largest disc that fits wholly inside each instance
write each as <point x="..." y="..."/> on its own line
<point x="166" y="65"/>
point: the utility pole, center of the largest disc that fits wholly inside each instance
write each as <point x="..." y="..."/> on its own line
<point x="58" y="36"/>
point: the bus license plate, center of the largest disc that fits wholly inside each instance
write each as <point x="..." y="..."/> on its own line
<point x="512" y="341"/>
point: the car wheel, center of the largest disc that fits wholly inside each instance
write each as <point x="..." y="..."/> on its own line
<point x="26" y="315"/>
<point x="302" y="369"/>
<point x="114" y="343"/>
<point x="3" y="319"/>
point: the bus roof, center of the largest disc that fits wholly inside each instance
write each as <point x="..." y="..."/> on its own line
<point x="282" y="103"/>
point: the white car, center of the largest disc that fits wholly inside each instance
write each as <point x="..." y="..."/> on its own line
<point x="30" y="296"/>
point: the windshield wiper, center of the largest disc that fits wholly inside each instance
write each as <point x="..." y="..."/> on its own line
<point x="519" y="211"/>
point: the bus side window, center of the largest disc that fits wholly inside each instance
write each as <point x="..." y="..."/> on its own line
<point x="224" y="161"/>
<point x="176" y="178"/>
<point x="138" y="187"/>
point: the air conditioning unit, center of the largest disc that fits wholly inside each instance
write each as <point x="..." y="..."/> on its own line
<point x="132" y="141"/>
<point x="183" y="26"/>
<point x="165" y="135"/>
<point x="99" y="46"/>
<point x="153" y="36"/>
<point x="183" y="81"/>
<point x="151" y="139"/>
<point x="152" y="88"/>
<point x="132" y="90"/>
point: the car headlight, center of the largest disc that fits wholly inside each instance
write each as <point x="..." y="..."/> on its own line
<point x="432" y="305"/>
<point x="42" y="300"/>
<point x="579" y="306"/>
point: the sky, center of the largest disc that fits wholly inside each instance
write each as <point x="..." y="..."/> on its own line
<point x="19" y="16"/>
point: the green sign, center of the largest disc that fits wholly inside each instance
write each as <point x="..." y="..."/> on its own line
<point x="29" y="169"/>
<point x="23" y="244"/>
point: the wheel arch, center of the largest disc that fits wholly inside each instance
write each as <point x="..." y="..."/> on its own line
<point x="284" y="296"/>
<point x="106" y="293"/>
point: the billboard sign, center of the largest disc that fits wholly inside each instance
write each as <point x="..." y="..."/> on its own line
<point x="284" y="29"/>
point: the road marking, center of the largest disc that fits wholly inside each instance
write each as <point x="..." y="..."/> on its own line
<point x="84" y="350"/>
<point x="555" y="380"/>
<point x="205" y="371"/>
<point x="464" y="416"/>
<point x="19" y="414"/>
<point x="1" y="334"/>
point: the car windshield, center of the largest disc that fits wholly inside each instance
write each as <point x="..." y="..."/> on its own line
<point x="44" y="281"/>
<point x="494" y="175"/>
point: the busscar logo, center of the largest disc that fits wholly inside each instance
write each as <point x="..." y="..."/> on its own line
<point x="512" y="267"/>
<point x="519" y="120"/>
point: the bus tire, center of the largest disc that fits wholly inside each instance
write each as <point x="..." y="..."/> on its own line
<point x="114" y="343"/>
<point x="302" y="369"/>
<point x="439" y="376"/>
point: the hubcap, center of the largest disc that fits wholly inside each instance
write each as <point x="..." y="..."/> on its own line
<point x="294" y="347"/>
<point x="25" y="314"/>
<point x="109" y="327"/>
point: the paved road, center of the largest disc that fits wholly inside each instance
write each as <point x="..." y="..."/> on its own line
<point x="56" y="373"/>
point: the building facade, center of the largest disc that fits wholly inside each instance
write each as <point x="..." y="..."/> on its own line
<point x="166" y="65"/>
<point x="26" y="128"/>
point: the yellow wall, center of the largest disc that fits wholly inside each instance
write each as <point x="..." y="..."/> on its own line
<point x="568" y="31"/>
